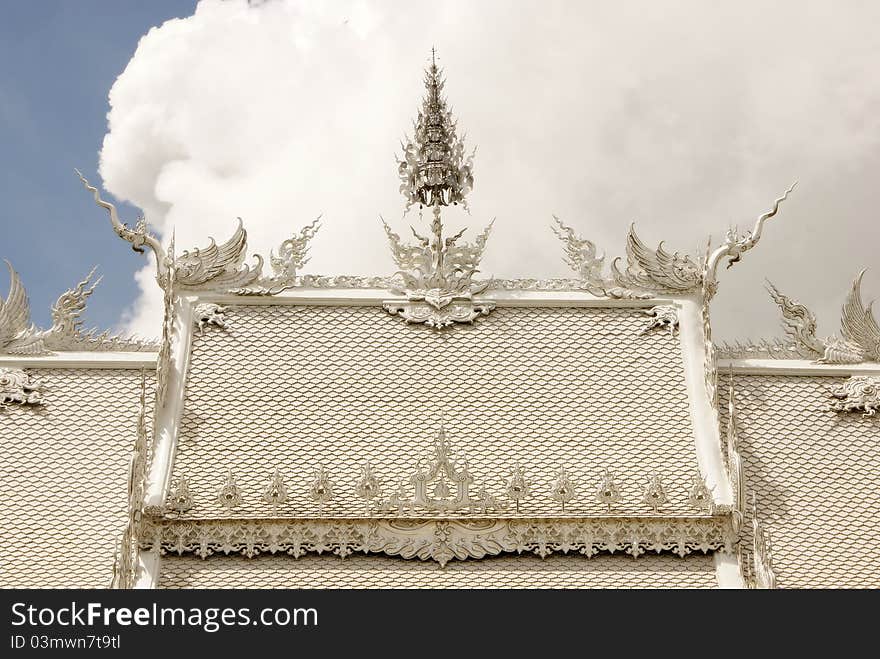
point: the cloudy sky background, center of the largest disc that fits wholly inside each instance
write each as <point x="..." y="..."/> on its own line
<point x="685" y="117"/>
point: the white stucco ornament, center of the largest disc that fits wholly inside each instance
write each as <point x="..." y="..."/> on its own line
<point x="18" y="387"/>
<point x="857" y="394"/>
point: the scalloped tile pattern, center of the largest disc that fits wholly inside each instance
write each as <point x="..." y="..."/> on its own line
<point x="815" y="475"/>
<point x="516" y="571"/>
<point x="301" y="386"/>
<point x="64" y="470"/>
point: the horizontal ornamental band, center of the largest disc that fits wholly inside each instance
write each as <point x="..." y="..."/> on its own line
<point x="441" y="540"/>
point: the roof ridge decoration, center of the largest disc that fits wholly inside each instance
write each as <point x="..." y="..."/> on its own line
<point x="211" y="268"/>
<point x="860" y="330"/>
<point x="19" y="336"/>
<point x="762" y="575"/>
<point x="292" y="256"/>
<point x="436" y="172"/>
<point x="655" y="271"/>
<point x="126" y="559"/>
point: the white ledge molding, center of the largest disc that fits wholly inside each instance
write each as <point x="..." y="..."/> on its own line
<point x="793" y="367"/>
<point x="133" y="360"/>
<point x="376" y="296"/>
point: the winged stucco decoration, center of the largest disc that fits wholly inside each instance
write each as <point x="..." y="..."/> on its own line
<point x="215" y="267"/>
<point x="18" y="336"/>
<point x="860" y="331"/>
<point x="650" y="271"/>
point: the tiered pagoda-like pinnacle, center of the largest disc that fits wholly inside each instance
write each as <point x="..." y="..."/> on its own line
<point x="436" y="172"/>
<point x="434" y="169"/>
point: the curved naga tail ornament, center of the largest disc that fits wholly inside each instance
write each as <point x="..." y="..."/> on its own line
<point x="798" y="321"/>
<point x="18" y="336"/>
<point x="138" y="237"/>
<point x="293" y="253"/>
<point x="210" y="268"/>
<point x="582" y="256"/>
<point x="68" y="309"/>
<point x="736" y="245"/>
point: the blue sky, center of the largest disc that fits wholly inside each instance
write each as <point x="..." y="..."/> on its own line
<point x="58" y="60"/>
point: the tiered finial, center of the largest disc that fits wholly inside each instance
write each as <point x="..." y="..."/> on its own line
<point x="436" y="172"/>
<point x="434" y="169"/>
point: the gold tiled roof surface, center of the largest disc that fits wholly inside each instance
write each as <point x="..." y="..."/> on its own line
<point x="814" y="472"/>
<point x="301" y="386"/>
<point x="64" y="473"/>
<point x="510" y="571"/>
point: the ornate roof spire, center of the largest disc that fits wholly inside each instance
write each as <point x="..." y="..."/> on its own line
<point x="435" y="172"/>
<point x="434" y="169"/>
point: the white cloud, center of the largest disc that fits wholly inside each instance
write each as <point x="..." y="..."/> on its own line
<point x="683" y="116"/>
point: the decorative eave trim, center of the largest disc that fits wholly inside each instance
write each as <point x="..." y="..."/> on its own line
<point x="803" y="367"/>
<point x="84" y="360"/>
<point x="442" y="540"/>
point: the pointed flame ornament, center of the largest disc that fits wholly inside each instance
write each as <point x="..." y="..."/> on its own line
<point x="368" y="487"/>
<point x="655" y="495"/>
<point x="608" y="493"/>
<point x="518" y="487"/>
<point x="275" y="493"/>
<point x="699" y="496"/>
<point x="180" y="499"/>
<point x="229" y="494"/>
<point x="563" y="489"/>
<point x="321" y="489"/>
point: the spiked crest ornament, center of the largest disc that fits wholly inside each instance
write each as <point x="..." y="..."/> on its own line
<point x="434" y="169"/>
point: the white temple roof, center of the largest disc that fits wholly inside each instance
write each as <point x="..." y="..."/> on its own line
<point x="302" y="387"/>
<point x="428" y="414"/>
